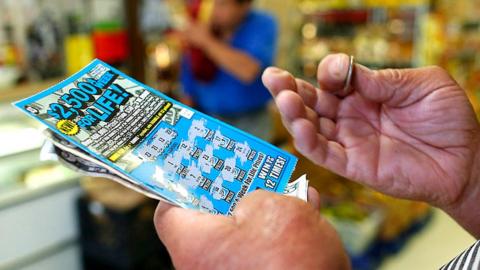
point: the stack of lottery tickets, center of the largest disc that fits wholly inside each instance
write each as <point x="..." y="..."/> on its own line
<point x="103" y="123"/>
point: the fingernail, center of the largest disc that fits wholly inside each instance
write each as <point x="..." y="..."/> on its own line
<point x="337" y="67"/>
<point x="274" y="70"/>
<point x="273" y="74"/>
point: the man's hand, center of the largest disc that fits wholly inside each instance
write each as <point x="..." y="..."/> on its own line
<point x="408" y="133"/>
<point x="238" y="63"/>
<point x="266" y="231"/>
<point x="197" y="34"/>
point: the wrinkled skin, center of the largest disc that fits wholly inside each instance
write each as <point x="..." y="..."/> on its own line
<point x="266" y="231"/>
<point x="408" y="133"/>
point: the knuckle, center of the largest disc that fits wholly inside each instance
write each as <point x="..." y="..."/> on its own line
<point x="297" y="215"/>
<point x="257" y="199"/>
<point x="392" y="80"/>
<point x="439" y="78"/>
<point x="289" y="211"/>
<point x="394" y="77"/>
<point x="260" y="202"/>
<point x="257" y="194"/>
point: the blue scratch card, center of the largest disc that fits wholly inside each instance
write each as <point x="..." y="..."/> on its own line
<point x="165" y="147"/>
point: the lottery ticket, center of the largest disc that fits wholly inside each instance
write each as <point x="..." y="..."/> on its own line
<point x="56" y="149"/>
<point x="103" y="122"/>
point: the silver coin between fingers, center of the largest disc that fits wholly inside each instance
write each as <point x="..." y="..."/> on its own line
<point x="347" y="88"/>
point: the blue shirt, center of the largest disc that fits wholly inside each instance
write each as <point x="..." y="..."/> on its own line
<point x="226" y="95"/>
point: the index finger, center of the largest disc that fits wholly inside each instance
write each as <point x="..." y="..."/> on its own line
<point x="276" y="80"/>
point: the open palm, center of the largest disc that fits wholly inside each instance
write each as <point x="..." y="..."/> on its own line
<point x="408" y="133"/>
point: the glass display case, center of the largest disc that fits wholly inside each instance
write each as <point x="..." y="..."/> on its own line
<point x="21" y="169"/>
<point x="37" y="198"/>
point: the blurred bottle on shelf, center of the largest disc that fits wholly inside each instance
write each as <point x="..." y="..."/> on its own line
<point x="44" y="42"/>
<point x="432" y="41"/>
<point x="109" y="33"/>
<point x="78" y="44"/>
<point x="10" y="52"/>
<point x="10" y="59"/>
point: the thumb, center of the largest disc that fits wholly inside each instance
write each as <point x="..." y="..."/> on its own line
<point x="184" y="230"/>
<point x="313" y="197"/>
<point x="394" y="87"/>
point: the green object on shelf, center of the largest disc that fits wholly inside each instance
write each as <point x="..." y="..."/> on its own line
<point x="108" y="26"/>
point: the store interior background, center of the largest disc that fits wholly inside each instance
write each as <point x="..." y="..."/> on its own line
<point x="54" y="218"/>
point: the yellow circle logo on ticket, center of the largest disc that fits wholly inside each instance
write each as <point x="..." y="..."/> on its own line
<point x="68" y="127"/>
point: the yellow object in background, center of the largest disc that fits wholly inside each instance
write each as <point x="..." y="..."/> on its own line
<point x="206" y="8"/>
<point x="432" y="42"/>
<point x="78" y="52"/>
<point x="347" y="4"/>
<point x="394" y="3"/>
<point x="10" y="56"/>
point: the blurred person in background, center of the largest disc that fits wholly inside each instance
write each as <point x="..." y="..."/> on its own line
<point x="221" y="69"/>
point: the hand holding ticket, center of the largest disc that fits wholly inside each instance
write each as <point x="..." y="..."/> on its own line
<point x="103" y="122"/>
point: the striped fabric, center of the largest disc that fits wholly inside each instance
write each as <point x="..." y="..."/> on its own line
<point x="468" y="260"/>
